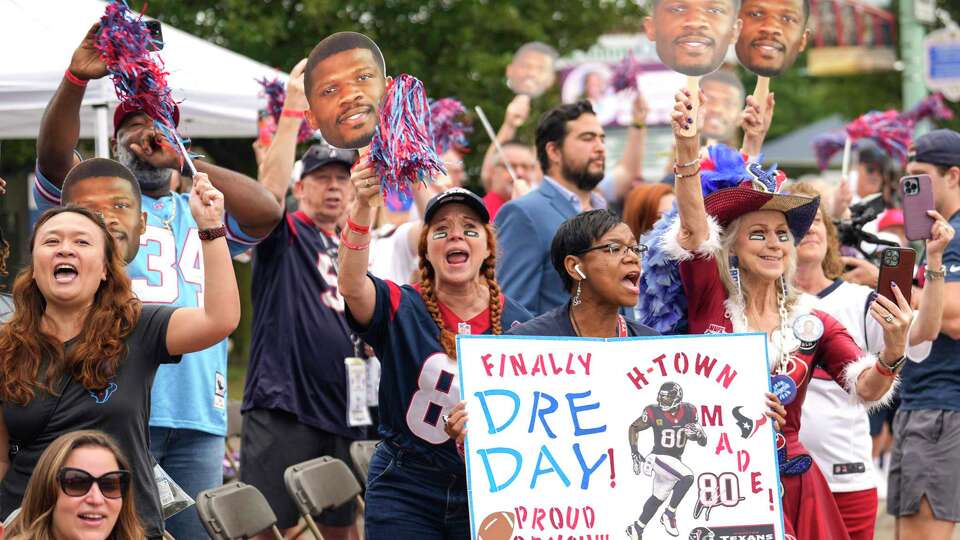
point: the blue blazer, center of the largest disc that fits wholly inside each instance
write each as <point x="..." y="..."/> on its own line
<point x="557" y="323"/>
<point x="525" y="229"/>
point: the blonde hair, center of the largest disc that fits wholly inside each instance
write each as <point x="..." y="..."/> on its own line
<point x="727" y="240"/>
<point x="35" y="521"/>
<point x="832" y="265"/>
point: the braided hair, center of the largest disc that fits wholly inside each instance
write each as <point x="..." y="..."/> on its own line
<point x="428" y="292"/>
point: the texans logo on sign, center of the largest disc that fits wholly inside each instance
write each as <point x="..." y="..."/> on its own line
<point x="102" y="396"/>
<point x="748" y="426"/>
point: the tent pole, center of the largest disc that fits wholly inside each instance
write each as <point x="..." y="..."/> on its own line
<point x="102" y="137"/>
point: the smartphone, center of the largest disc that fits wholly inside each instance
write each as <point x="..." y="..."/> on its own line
<point x="156" y="35"/>
<point x="916" y="192"/>
<point x="896" y="265"/>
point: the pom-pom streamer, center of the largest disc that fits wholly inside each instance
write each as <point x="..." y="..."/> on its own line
<point x="450" y="127"/>
<point x="402" y="149"/>
<point x="276" y="96"/>
<point x="138" y="77"/>
<point x="625" y="74"/>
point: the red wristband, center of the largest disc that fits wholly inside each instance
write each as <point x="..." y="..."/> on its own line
<point x="346" y="243"/>
<point x="76" y="81"/>
<point x="293" y="114"/>
<point x="884" y="370"/>
<point x="359" y="229"/>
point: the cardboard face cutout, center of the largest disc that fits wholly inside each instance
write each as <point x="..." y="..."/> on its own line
<point x="692" y="36"/>
<point x="773" y="35"/>
<point x="345" y="82"/>
<point x="532" y="71"/>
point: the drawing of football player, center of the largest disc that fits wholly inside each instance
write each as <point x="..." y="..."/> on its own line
<point x="674" y="423"/>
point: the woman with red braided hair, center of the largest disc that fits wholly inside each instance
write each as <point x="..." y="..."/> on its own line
<point x="416" y="487"/>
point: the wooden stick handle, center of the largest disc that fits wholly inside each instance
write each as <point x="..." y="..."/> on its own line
<point x="761" y="92"/>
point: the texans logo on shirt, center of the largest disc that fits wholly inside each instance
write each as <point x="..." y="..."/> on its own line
<point x="103" y="396"/>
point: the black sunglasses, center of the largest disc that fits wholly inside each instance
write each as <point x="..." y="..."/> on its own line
<point x="77" y="482"/>
<point x="616" y="248"/>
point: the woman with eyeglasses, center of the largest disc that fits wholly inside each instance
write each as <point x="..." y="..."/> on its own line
<point x="80" y="489"/>
<point x="598" y="259"/>
<point x="81" y="351"/>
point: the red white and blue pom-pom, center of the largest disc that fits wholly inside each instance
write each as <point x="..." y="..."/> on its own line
<point x="891" y="130"/>
<point x="276" y="96"/>
<point x="402" y="149"/>
<point x="933" y="106"/>
<point x="450" y="125"/>
<point x="138" y="76"/>
<point x="625" y="74"/>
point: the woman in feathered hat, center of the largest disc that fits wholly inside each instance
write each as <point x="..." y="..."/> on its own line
<point x="733" y="246"/>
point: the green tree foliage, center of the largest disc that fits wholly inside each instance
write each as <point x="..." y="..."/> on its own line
<point x="456" y="47"/>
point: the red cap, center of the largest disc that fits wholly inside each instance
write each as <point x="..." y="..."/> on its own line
<point x="890" y="218"/>
<point x="125" y="109"/>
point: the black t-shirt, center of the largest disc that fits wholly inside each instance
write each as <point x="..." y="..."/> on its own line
<point x="121" y="410"/>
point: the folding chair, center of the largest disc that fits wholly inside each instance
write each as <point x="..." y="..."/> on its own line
<point x="234" y="431"/>
<point x="361" y="452"/>
<point x="236" y="511"/>
<point x="320" y="484"/>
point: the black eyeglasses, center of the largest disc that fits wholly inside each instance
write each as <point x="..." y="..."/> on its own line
<point x="77" y="482"/>
<point x="616" y="248"/>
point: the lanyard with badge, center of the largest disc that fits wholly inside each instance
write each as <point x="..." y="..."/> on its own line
<point x="363" y="382"/>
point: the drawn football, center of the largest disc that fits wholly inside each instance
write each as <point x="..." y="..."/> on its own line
<point x="496" y="526"/>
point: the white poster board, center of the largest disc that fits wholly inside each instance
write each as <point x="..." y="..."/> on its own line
<point x="548" y="449"/>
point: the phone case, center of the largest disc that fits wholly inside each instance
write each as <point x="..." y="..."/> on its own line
<point x="916" y="203"/>
<point x="900" y="272"/>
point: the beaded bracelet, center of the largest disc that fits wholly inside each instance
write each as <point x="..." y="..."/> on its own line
<point x="678" y="176"/>
<point x="293" y="114"/>
<point x="685" y="165"/>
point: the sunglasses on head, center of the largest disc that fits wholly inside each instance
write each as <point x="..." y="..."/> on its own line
<point x="77" y="482"/>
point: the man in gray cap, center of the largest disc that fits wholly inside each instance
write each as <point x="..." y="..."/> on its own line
<point x="296" y="398"/>
<point x="924" y="488"/>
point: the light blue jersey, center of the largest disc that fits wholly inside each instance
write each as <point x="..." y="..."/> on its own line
<point x="168" y="270"/>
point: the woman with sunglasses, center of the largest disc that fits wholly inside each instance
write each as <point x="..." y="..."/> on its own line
<point x="80" y="489"/>
<point x="81" y="351"/>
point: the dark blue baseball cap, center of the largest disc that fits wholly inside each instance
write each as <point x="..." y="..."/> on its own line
<point x="456" y="195"/>
<point x="939" y="147"/>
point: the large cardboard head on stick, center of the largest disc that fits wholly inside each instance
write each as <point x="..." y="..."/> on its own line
<point x="773" y="35"/>
<point x="692" y="36"/>
<point x="345" y="81"/>
<point x="532" y="71"/>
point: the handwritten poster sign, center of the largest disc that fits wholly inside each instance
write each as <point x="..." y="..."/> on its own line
<point x="658" y="438"/>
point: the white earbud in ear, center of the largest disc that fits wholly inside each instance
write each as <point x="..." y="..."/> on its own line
<point x="579" y="272"/>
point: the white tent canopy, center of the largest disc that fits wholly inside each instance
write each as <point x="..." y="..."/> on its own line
<point x="216" y="88"/>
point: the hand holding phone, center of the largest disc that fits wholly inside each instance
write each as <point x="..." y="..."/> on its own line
<point x="917" y="195"/>
<point x="896" y="265"/>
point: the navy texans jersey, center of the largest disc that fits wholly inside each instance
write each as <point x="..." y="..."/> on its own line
<point x="300" y="335"/>
<point x="669" y="437"/>
<point x="418" y="382"/>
